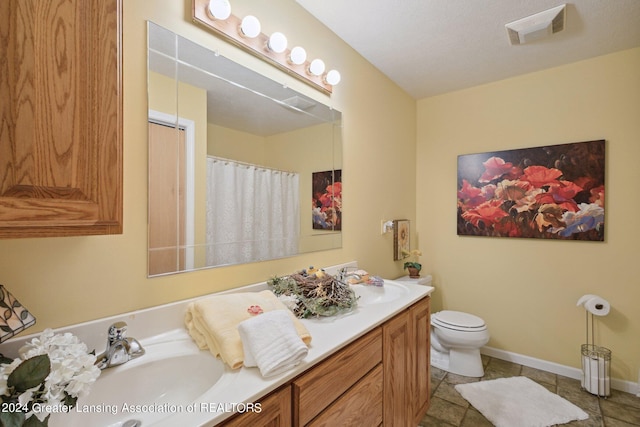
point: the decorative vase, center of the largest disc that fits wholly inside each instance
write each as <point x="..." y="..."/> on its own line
<point x="414" y="273"/>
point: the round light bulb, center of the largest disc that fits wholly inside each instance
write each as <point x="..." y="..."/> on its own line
<point x="220" y="9"/>
<point x="250" y="26"/>
<point x="277" y="42"/>
<point x="316" y="67"/>
<point x="332" y="77"/>
<point x="298" y="55"/>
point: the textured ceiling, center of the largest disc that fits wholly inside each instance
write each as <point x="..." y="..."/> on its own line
<point x="429" y="47"/>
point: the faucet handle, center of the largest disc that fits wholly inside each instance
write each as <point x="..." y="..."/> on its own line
<point x="344" y="272"/>
<point x="134" y="348"/>
<point x="117" y="332"/>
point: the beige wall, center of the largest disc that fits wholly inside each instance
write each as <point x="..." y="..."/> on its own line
<point x="527" y="290"/>
<point x="306" y="151"/>
<point x="69" y="280"/>
<point x="232" y="144"/>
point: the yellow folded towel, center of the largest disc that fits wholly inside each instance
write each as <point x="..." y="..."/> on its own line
<point x="213" y="322"/>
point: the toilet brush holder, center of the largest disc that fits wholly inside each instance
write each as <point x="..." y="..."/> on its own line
<point x="596" y="369"/>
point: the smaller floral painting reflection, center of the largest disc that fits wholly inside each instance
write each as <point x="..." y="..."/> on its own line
<point x="401" y="239"/>
<point x="327" y="200"/>
<point x="551" y="192"/>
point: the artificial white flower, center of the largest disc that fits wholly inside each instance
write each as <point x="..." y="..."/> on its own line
<point x="72" y="373"/>
<point x="290" y="301"/>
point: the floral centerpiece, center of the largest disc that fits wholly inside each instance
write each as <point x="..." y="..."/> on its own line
<point x="413" y="267"/>
<point x="313" y="293"/>
<point x="50" y="374"/>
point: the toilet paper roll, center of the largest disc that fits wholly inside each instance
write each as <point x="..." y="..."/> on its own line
<point x="595" y="305"/>
<point x="595" y="376"/>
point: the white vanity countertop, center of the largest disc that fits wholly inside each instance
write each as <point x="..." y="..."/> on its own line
<point x="328" y="335"/>
<point x="245" y="385"/>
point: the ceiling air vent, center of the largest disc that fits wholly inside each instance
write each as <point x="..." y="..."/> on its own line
<point x="299" y="103"/>
<point x="537" y="26"/>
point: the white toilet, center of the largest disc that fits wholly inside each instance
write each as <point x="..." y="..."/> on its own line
<point x="456" y="338"/>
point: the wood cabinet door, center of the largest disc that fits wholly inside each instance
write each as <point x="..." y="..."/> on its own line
<point x="397" y="364"/>
<point x="60" y="117"/>
<point x="421" y="319"/>
<point x="406" y="366"/>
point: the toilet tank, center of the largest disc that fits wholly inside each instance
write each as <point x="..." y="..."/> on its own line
<point x="422" y="280"/>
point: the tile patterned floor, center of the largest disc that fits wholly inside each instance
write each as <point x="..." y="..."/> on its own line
<point x="449" y="409"/>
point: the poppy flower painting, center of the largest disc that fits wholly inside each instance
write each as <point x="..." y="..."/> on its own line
<point x="327" y="200"/>
<point x="550" y="192"/>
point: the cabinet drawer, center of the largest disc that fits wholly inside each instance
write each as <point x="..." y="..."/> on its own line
<point x="275" y="411"/>
<point x="361" y="405"/>
<point x="318" y="388"/>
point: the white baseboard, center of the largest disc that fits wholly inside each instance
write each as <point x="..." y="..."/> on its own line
<point x="555" y="368"/>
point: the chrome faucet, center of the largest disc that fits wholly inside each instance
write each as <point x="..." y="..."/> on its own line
<point x="344" y="274"/>
<point x="120" y="349"/>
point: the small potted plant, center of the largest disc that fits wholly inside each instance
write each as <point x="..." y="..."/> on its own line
<point x="413" y="267"/>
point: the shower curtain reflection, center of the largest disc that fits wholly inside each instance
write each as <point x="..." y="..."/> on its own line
<point x="252" y="213"/>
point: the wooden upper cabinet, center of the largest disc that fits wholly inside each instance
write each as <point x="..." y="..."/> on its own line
<point x="60" y="117"/>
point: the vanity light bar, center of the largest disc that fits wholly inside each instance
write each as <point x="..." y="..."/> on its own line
<point x="277" y="42"/>
<point x="246" y="33"/>
<point x="249" y="26"/>
<point x="219" y="9"/>
<point x="297" y="56"/>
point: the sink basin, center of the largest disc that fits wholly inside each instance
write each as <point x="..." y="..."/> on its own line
<point x="161" y="383"/>
<point x="370" y="295"/>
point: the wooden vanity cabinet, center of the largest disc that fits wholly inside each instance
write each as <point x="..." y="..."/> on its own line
<point x="360" y="406"/>
<point x="275" y="411"/>
<point x="406" y="366"/>
<point x="381" y="378"/>
<point x="60" y="117"/>
<point x="420" y="315"/>
<point x="345" y="389"/>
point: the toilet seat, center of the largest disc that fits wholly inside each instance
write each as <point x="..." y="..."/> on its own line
<point x="458" y="321"/>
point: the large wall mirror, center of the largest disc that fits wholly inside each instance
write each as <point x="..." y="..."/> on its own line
<point x="241" y="168"/>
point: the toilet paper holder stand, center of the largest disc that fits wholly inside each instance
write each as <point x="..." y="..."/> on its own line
<point x="596" y="363"/>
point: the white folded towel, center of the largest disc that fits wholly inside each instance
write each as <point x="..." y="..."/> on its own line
<point x="271" y="343"/>
<point x="213" y="322"/>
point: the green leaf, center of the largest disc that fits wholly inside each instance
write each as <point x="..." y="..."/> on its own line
<point x="33" y="421"/>
<point x="11" y="419"/>
<point x="412" y="264"/>
<point x="30" y="373"/>
<point x="69" y="400"/>
<point x="4" y="360"/>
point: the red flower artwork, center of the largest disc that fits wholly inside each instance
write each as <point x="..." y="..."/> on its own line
<point x="327" y="200"/>
<point x="552" y="192"/>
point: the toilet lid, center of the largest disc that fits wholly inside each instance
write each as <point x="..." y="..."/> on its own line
<point x="458" y="320"/>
